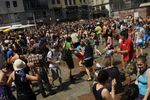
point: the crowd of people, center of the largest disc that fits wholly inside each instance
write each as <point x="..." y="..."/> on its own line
<point x="35" y="54"/>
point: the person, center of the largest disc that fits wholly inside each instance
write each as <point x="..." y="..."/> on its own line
<point x="99" y="87"/>
<point x="54" y="61"/>
<point x="39" y="62"/>
<point x="146" y="34"/>
<point x="143" y="80"/>
<point x="22" y="80"/>
<point x="109" y="46"/>
<point x="88" y="59"/>
<point x="98" y="31"/>
<point x="96" y="44"/>
<point x="69" y="60"/>
<point x="80" y="55"/>
<point x="130" y="73"/>
<point x="75" y="38"/>
<point x="139" y="42"/>
<point x="114" y="73"/>
<point x="5" y="91"/>
<point x="126" y="48"/>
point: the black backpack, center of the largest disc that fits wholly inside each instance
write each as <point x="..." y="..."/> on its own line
<point x="66" y="53"/>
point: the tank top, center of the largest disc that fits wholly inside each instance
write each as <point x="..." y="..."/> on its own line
<point x="143" y="83"/>
<point x="97" y="93"/>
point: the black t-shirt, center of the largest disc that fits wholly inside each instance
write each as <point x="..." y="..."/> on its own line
<point x="88" y="51"/>
<point x="147" y="30"/>
<point x="22" y="85"/>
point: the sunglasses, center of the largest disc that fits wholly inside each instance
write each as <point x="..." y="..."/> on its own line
<point x="139" y="64"/>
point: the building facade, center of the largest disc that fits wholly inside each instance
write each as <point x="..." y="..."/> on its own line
<point x="11" y="11"/>
<point x="136" y="8"/>
<point x="101" y="8"/>
<point x="36" y="10"/>
<point x="69" y="9"/>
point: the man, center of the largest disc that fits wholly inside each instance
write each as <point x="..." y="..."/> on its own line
<point x="54" y="61"/>
<point x="37" y="59"/>
<point x="98" y="31"/>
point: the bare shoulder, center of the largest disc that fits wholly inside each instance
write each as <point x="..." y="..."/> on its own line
<point x="148" y="72"/>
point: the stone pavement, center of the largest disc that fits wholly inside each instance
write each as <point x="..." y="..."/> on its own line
<point x="80" y="90"/>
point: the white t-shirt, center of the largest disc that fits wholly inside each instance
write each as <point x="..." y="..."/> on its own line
<point x="53" y="55"/>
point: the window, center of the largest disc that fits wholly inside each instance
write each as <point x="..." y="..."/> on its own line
<point x="74" y="1"/>
<point x="15" y="3"/>
<point x="44" y="14"/>
<point x="58" y="1"/>
<point x="84" y="1"/>
<point x="70" y="3"/>
<point x="53" y="1"/>
<point x="81" y="1"/>
<point x="7" y="4"/>
<point x="66" y="2"/>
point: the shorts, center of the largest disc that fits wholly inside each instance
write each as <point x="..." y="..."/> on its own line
<point x="88" y="63"/>
<point x="139" y="43"/>
<point x="55" y="72"/>
<point x="80" y="56"/>
<point x="146" y="37"/>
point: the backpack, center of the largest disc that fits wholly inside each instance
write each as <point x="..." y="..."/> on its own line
<point x="65" y="53"/>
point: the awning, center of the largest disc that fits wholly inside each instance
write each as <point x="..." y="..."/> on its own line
<point x="145" y="4"/>
<point x="14" y="27"/>
<point x="6" y="30"/>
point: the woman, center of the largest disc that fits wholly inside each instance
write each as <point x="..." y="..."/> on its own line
<point x="79" y="53"/>
<point x="22" y="80"/>
<point x="99" y="88"/>
<point x="143" y="80"/>
<point x="113" y="73"/>
<point x="88" y="59"/>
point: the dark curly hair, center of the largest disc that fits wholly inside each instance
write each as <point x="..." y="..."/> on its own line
<point x="103" y="76"/>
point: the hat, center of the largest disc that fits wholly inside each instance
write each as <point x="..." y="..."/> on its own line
<point x="19" y="64"/>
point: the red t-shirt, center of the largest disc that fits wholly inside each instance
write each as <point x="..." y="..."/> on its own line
<point x="127" y="45"/>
